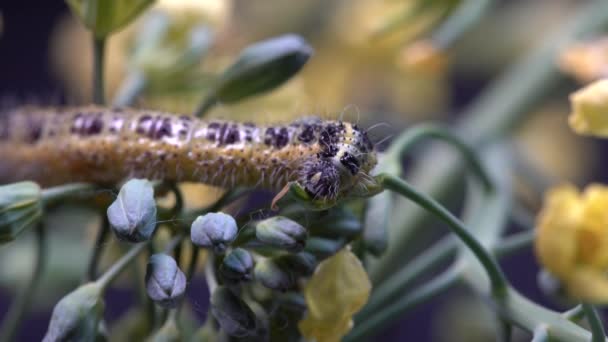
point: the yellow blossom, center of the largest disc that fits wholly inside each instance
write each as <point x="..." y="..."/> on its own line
<point x="590" y="109"/>
<point x="423" y="57"/>
<point x="337" y="290"/>
<point x="572" y="240"/>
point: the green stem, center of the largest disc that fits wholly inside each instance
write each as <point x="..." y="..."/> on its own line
<point x="413" y="135"/>
<point x="210" y="273"/>
<point x="514" y="243"/>
<point x="575" y="314"/>
<point x="21" y="304"/>
<point x="193" y="260"/>
<point x="209" y="102"/>
<point x="465" y="16"/>
<point x="541" y="334"/>
<point x="120" y="265"/>
<point x="505" y="330"/>
<point x="498" y="280"/>
<point x="597" y="328"/>
<point x="98" y="66"/>
<point x="366" y="328"/>
<point x="131" y="87"/>
<point x="393" y="287"/>
<point x="56" y="193"/>
<point x="100" y="240"/>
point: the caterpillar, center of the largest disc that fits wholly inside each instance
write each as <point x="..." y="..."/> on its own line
<point x="106" y="145"/>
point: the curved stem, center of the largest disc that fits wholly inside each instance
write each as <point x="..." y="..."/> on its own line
<point x="597" y="328"/>
<point x="413" y="135"/>
<point x="210" y="273"/>
<point x="11" y="323"/>
<point x="120" y="265"/>
<point x="498" y="280"/>
<point x="99" y="45"/>
<point x="514" y="243"/>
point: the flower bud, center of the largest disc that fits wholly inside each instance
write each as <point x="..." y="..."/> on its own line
<point x="274" y="275"/>
<point x="337" y="223"/>
<point x="262" y="66"/>
<point x="232" y="314"/>
<point x="77" y="315"/>
<point x="213" y="230"/>
<point x="104" y="17"/>
<point x="237" y="265"/>
<point x="282" y="232"/>
<point x="303" y="263"/>
<point x="133" y="214"/>
<point x="323" y="248"/>
<point x="20" y="208"/>
<point x="165" y="282"/>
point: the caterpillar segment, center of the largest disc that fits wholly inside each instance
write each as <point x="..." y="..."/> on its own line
<point x="94" y="144"/>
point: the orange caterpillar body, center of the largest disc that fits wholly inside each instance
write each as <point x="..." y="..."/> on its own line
<point x="95" y="144"/>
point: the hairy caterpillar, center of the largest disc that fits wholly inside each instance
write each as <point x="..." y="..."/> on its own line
<point x="96" y="144"/>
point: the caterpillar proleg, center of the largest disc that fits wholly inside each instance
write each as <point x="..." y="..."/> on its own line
<point x="102" y="145"/>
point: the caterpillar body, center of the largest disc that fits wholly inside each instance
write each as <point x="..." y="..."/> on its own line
<point x="95" y="144"/>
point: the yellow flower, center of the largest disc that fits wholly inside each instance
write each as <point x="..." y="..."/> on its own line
<point x="590" y="109"/>
<point x="337" y="290"/>
<point x="572" y="240"/>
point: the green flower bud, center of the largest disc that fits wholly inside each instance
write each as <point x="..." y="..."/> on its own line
<point x="274" y="275"/>
<point x="282" y="232"/>
<point x="165" y="282"/>
<point x="103" y="17"/>
<point x="237" y="265"/>
<point x="261" y="67"/>
<point x="76" y="316"/>
<point x="20" y="208"/>
<point x="133" y="214"/>
<point x="213" y="230"/>
<point x="323" y="248"/>
<point x="337" y="223"/>
<point x="232" y="314"/>
<point x="303" y="263"/>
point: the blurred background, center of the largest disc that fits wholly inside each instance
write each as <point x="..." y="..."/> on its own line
<point x="391" y="78"/>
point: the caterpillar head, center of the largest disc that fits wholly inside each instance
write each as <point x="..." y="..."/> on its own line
<point x="343" y="164"/>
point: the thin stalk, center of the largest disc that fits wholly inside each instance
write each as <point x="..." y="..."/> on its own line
<point x="120" y="265"/>
<point x="365" y="329"/>
<point x="464" y="17"/>
<point x="396" y="285"/>
<point x="598" y="333"/>
<point x="100" y="240"/>
<point x="209" y="102"/>
<point x="193" y="260"/>
<point x="131" y="87"/>
<point x="514" y="243"/>
<point x="575" y="314"/>
<point x="505" y="330"/>
<point x="53" y="194"/>
<point x="413" y="135"/>
<point x="21" y="304"/>
<point x="210" y="273"/>
<point x="498" y="280"/>
<point x="99" y="45"/>
<point x="541" y="334"/>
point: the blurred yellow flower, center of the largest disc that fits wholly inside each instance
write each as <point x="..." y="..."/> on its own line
<point x="586" y="61"/>
<point x="572" y="240"/>
<point x="338" y="289"/>
<point x="590" y="109"/>
<point x="422" y="57"/>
